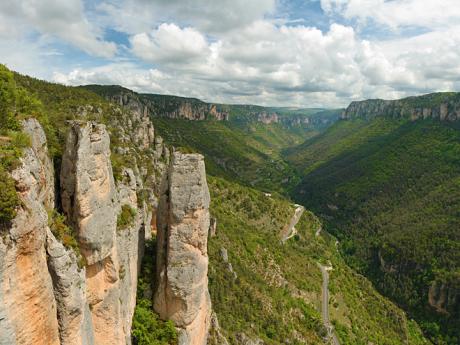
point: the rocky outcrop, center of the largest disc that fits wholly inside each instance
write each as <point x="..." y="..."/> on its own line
<point x="441" y="106"/>
<point x="267" y="118"/>
<point x="243" y="339"/>
<point x="92" y="202"/>
<point x="88" y="189"/>
<point x="89" y="310"/>
<point x="172" y="107"/>
<point x="444" y="297"/>
<point x="182" y="260"/>
<point x="74" y="317"/>
<point x="212" y="227"/>
<point x="86" y="295"/>
<point x="27" y="304"/>
<point x="215" y="332"/>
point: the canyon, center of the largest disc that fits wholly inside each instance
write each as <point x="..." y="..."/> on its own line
<point x="134" y="214"/>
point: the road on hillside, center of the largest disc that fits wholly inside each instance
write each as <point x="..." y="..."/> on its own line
<point x="289" y="230"/>
<point x="325" y="305"/>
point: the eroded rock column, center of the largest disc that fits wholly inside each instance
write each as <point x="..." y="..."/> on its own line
<point x="88" y="189"/>
<point x="90" y="201"/>
<point x="182" y="260"/>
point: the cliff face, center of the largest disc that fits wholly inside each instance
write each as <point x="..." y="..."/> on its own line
<point x="445" y="107"/>
<point x="64" y="302"/>
<point x="86" y="295"/>
<point x="90" y="202"/>
<point x="168" y="106"/>
<point x="182" y="261"/>
<point x="174" y="107"/>
<point x="69" y="283"/>
<point x="88" y="190"/>
<point x="27" y="304"/>
<point x="267" y="118"/>
<point x="444" y="297"/>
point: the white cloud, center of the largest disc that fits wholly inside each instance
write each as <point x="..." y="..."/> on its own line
<point x="26" y="57"/>
<point x="63" y="19"/>
<point x="126" y="74"/>
<point x="210" y="16"/>
<point x="398" y="13"/>
<point x="230" y="51"/>
<point x="262" y="63"/>
<point x="170" y="44"/>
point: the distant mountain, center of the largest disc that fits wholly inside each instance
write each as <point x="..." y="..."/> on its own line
<point x="444" y="106"/>
<point x="175" y="107"/>
<point x="386" y="180"/>
<point x="240" y="142"/>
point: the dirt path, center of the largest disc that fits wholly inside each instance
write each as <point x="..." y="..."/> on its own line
<point x="289" y="229"/>
<point x="318" y="231"/>
<point x="325" y="305"/>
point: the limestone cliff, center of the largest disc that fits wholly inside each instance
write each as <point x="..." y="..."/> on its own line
<point x="92" y="203"/>
<point x="88" y="189"/>
<point x="68" y="299"/>
<point x="444" y="297"/>
<point x="175" y="107"/>
<point x="79" y="286"/>
<point x="27" y="304"/>
<point x="442" y="106"/>
<point x="73" y="313"/>
<point x="182" y="260"/>
<point x="153" y="105"/>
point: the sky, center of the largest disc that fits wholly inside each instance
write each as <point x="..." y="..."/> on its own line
<point x="303" y="53"/>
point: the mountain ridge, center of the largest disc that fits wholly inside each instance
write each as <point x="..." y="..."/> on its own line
<point x="444" y="106"/>
<point x="177" y="107"/>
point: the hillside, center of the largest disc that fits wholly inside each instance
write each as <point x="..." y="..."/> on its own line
<point x="240" y="142"/>
<point x="269" y="290"/>
<point x="388" y="186"/>
<point x="248" y="151"/>
<point x="261" y="288"/>
<point x="247" y="154"/>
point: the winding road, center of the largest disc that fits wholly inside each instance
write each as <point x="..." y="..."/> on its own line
<point x="289" y="230"/>
<point x="325" y="305"/>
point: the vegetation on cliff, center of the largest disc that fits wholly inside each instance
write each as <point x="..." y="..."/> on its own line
<point x="147" y="327"/>
<point x="126" y="217"/>
<point x="15" y="104"/>
<point x="247" y="154"/>
<point x="273" y="291"/>
<point x="389" y="189"/>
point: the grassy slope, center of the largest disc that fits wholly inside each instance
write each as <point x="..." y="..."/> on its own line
<point x="248" y="154"/>
<point x="276" y="295"/>
<point x="391" y="187"/>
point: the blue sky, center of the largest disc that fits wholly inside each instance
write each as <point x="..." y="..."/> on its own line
<point x="272" y="52"/>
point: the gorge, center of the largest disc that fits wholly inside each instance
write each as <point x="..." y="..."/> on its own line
<point x="148" y="219"/>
